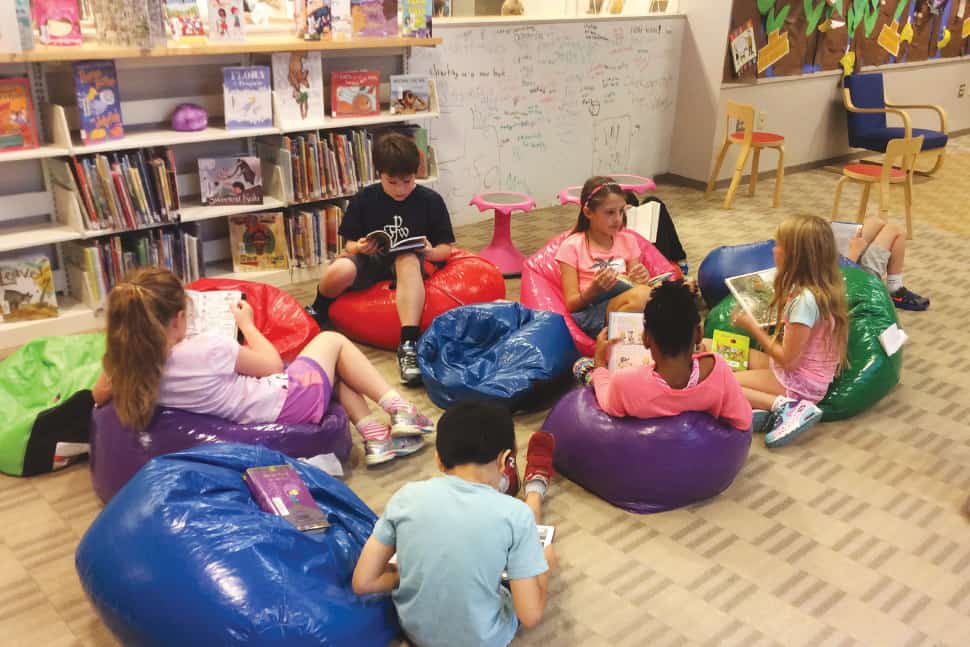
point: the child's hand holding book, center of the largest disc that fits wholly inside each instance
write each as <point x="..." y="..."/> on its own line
<point x="741" y="319"/>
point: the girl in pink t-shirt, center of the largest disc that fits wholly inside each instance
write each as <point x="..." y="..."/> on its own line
<point x="150" y="361"/>
<point x="679" y="379"/>
<point x="600" y="260"/>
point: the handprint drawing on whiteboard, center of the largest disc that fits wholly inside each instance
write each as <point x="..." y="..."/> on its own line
<point x="611" y="144"/>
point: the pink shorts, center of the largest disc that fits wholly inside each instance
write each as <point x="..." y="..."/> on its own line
<point x="799" y="386"/>
<point x="308" y="392"/>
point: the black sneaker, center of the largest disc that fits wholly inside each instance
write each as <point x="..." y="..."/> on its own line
<point x="906" y="300"/>
<point x="407" y="363"/>
<point x="318" y="317"/>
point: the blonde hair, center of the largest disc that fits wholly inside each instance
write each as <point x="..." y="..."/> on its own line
<point x="140" y="308"/>
<point x="811" y="262"/>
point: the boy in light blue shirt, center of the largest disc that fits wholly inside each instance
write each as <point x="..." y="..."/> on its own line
<point x="455" y="535"/>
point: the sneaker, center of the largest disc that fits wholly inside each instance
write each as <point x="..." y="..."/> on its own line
<point x="317" y="316"/>
<point x="408" y="422"/>
<point x="510" y="477"/>
<point x="792" y="421"/>
<point x="376" y="453"/>
<point x="538" y="458"/>
<point x="762" y="421"/>
<point x="407" y="363"/>
<point x="906" y="300"/>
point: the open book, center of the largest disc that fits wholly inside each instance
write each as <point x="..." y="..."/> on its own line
<point x="754" y="292"/>
<point x="210" y="312"/>
<point x="644" y="219"/>
<point x="843" y="232"/>
<point x="629" y="351"/>
<point x="387" y="246"/>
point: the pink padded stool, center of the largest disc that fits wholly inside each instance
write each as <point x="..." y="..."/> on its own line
<point x="502" y="251"/>
<point x="636" y="183"/>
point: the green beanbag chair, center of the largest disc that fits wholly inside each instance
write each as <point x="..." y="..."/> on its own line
<point x="871" y="374"/>
<point x="45" y="397"/>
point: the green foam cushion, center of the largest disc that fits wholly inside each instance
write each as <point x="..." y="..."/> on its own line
<point x="871" y="374"/>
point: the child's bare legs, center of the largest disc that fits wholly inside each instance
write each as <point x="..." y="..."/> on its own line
<point x="342" y="360"/>
<point x="409" y="296"/>
<point x="633" y="300"/>
<point x="759" y="384"/>
<point x="888" y="236"/>
<point x="337" y="278"/>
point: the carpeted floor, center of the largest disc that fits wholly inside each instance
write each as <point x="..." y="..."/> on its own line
<point x="854" y="535"/>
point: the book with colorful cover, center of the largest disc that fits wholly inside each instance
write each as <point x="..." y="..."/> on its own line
<point x="27" y="290"/>
<point x="129" y="23"/>
<point x="629" y="351"/>
<point x="279" y="490"/>
<point x="230" y="180"/>
<point x="416" y="18"/>
<point x="98" y="101"/>
<point x="733" y="347"/>
<point x="342" y="23"/>
<point x="226" y="23"/>
<point x="754" y="292"/>
<point x="374" y="18"/>
<point x="410" y="93"/>
<point x="58" y="21"/>
<point x="247" y="97"/>
<point x="298" y="87"/>
<point x="258" y="242"/>
<point x="18" y="123"/>
<point x="355" y="94"/>
<point x="319" y="25"/>
<point x="184" y="21"/>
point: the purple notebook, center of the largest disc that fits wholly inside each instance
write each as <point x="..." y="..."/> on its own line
<point x="279" y="490"/>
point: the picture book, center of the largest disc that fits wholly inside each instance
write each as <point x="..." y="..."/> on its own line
<point x="129" y="23"/>
<point x="754" y="292"/>
<point x="298" y="87"/>
<point x="374" y="18"/>
<point x="258" y="242"/>
<point x="247" y="97"/>
<point x="18" y="124"/>
<point x="184" y="21"/>
<point x="744" y="52"/>
<point x="644" y="219"/>
<point x="27" y="290"/>
<point x="319" y="24"/>
<point x="410" y="93"/>
<point x="210" y="312"/>
<point x="733" y="347"/>
<point x="342" y="24"/>
<point x="416" y="18"/>
<point x="395" y="244"/>
<point x="230" y="180"/>
<point x="629" y="351"/>
<point x="58" y="21"/>
<point x="226" y="21"/>
<point x="98" y="101"/>
<point x="279" y="490"/>
<point x="844" y="231"/>
<point x="354" y="94"/>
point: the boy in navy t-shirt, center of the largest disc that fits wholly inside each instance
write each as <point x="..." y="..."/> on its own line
<point x="401" y="209"/>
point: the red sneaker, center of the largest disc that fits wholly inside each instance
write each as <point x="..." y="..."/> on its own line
<point x="538" y="458"/>
<point x="511" y="474"/>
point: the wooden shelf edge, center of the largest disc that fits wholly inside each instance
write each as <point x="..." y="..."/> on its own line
<point x="73" y="318"/>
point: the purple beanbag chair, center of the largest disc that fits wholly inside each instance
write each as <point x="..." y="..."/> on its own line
<point x="644" y="465"/>
<point x="542" y="283"/>
<point x="117" y="452"/>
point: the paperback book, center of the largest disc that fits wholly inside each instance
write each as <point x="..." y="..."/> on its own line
<point x="226" y="22"/>
<point x="184" y="21"/>
<point x="247" y="97"/>
<point x="754" y="293"/>
<point x="58" y="21"/>
<point x="629" y="351"/>
<point x="129" y="23"/>
<point x="27" y="290"/>
<point x="230" y="180"/>
<point x="298" y="87"/>
<point x="98" y="101"/>
<point x="279" y="490"/>
<point x="211" y="312"/>
<point x="388" y="244"/>
<point x="258" y="242"/>
<point x="416" y="18"/>
<point x="644" y="219"/>
<point x="319" y="24"/>
<point x="410" y="93"/>
<point x="18" y="123"/>
<point x="844" y="231"/>
<point x="342" y="23"/>
<point x="733" y="347"/>
<point x="354" y="94"/>
<point x="376" y="18"/>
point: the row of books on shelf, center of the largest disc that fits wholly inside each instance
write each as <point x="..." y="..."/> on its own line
<point x="296" y="238"/>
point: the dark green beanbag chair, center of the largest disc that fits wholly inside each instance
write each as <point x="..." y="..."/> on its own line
<point x="871" y="374"/>
<point x="45" y="398"/>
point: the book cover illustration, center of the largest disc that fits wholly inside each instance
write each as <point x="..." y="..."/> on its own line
<point x="754" y="292"/>
<point x="27" y="290"/>
<point x="629" y="351"/>
<point x="733" y="347"/>
<point x="129" y="23"/>
<point x="416" y="18"/>
<point x="354" y="94"/>
<point x="410" y="93"/>
<point x="98" y="101"/>
<point x="374" y="18"/>
<point x="59" y="21"/>
<point x="210" y="312"/>
<point x="226" y="21"/>
<point x="298" y="86"/>
<point x="18" y="124"/>
<point x="744" y="52"/>
<point x="258" y="242"/>
<point x="184" y="21"/>
<point x="247" y="97"/>
<point x="279" y="490"/>
<point x="230" y="180"/>
<point x="342" y="24"/>
<point x="319" y="24"/>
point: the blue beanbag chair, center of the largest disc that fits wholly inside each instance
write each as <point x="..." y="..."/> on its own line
<point x="183" y="555"/>
<point x="499" y="351"/>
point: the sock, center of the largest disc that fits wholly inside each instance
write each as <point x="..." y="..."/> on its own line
<point x="392" y="401"/>
<point x="894" y="282"/>
<point x="410" y="334"/>
<point x="537" y="485"/>
<point x="373" y="429"/>
<point x="779" y="402"/>
<point x="322" y="305"/>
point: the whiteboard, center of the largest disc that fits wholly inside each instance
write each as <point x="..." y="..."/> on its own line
<point x="536" y="107"/>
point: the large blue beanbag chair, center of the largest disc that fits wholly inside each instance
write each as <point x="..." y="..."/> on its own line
<point x="498" y="351"/>
<point x="182" y="555"/>
<point x="644" y="465"/>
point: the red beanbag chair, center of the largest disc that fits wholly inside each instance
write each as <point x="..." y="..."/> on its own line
<point x="277" y="315"/>
<point x="542" y="283"/>
<point x="370" y="316"/>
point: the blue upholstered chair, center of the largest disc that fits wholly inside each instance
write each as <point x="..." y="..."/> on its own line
<point x="865" y="98"/>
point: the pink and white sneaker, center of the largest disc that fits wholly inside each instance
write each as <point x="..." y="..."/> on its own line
<point x="407" y="421"/>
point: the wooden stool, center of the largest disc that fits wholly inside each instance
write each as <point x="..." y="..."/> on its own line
<point x="636" y="183"/>
<point x="502" y="251"/>
<point x="750" y="139"/>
